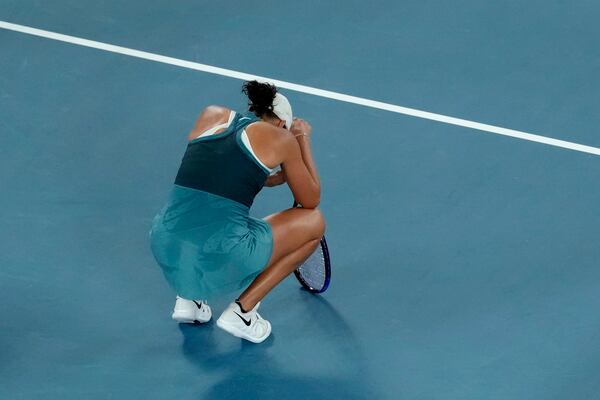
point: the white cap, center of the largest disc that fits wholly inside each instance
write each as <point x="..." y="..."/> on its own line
<point x="283" y="109"/>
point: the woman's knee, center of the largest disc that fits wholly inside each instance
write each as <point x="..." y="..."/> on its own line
<point x="299" y="222"/>
<point x="317" y="222"/>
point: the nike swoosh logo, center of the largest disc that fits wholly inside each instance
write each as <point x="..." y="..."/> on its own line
<point x="198" y="305"/>
<point x="246" y="322"/>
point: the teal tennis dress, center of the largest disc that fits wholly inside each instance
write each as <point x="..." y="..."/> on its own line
<point x="204" y="239"/>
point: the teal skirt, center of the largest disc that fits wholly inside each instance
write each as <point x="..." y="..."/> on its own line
<point x="207" y="245"/>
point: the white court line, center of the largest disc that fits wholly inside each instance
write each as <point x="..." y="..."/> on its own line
<point x="301" y="88"/>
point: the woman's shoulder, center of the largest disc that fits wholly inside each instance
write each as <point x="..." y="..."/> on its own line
<point x="215" y="112"/>
<point x="210" y="116"/>
<point x="268" y="130"/>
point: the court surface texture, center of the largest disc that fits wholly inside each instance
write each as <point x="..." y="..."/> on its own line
<point x="465" y="257"/>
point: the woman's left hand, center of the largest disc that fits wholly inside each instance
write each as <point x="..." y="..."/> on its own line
<point x="275" y="179"/>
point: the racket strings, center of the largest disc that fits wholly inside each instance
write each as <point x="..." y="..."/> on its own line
<point x="312" y="271"/>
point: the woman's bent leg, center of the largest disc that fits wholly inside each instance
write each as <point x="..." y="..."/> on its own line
<point x="274" y="274"/>
<point x="296" y="235"/>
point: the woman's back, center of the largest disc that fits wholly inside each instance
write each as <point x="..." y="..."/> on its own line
<point x="222" y="163"/>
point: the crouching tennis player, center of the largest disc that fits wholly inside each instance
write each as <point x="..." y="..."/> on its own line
<point x="204" y="239"/>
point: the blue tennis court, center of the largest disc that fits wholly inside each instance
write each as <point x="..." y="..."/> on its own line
<point x="465" y="263"/>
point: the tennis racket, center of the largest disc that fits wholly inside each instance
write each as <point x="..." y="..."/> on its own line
<point x="314" y="274"/>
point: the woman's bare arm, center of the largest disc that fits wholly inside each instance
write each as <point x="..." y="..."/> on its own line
<point x="299" y="166"/>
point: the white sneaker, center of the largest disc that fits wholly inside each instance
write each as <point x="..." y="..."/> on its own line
<point x="190" y="311"/>
<point x="249" y="326"/>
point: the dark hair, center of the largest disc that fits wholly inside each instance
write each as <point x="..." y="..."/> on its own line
<point x="260" y="96"/>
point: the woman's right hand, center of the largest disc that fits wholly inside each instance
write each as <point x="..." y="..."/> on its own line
<point x="300" y="127"/>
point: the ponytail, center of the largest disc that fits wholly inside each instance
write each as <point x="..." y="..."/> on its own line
<point x="260" y="97"/>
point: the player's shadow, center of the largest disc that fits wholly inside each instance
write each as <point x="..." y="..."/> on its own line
<point x="251" y="371"/>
